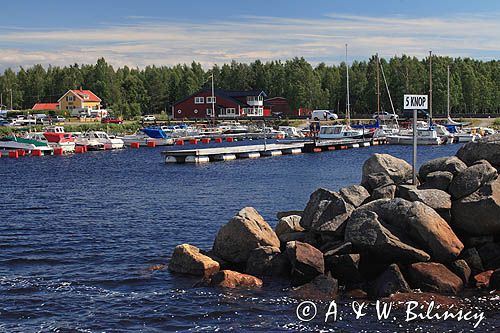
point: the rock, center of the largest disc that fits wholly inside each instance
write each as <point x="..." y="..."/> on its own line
<point x="288" y="224"/>
<point x="337" y="248"/>
<point x="280" y="215"/>
<point x="438" y="200"/>
<point x="384" y="192"/>
<point x="369" y="235"/>
<point x="376" y="180"/>
<point x="450" y="164"/>
<point x="344" y="268"/>
<point x="389" y="282"/>
<point x="477" y="241"/>
<point x="471" y="179"/>
<point x="487" y="148"/>
<point x="322" y="287"/>
<point x="326" y="211"/>
<point x="434" y="277"/>
<point x="307" y="262"/>
<point x="187" y="259"/>
<point x="471" y="256"/>
<point x="354" y="195"/>
<point x="293" y="236"/>
<point x="483" y="279"/>
<point x="439" y="180"/>
<point x="490" y="255"/>
<point x="479" y="213"/>
<point x="415" y="221"/>
<point x="462" y="270"/>
<point x="232" y="279"/>
<point x="267" y="261"/>
<point x="398" y="170"/>
<point x="403" y="189"/>
<point x="246" y="231"/>
<point x="495" y="280"/>
<point x="356" y="294"/>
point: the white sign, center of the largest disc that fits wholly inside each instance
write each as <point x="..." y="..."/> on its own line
<point x="415" y="102"/>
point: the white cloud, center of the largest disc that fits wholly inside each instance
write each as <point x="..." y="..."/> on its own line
<point x="248" y="38"/>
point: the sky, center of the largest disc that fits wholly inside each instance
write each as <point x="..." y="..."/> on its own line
<point x="167" y="32"/>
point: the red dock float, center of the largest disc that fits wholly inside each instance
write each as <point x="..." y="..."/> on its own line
<point x="108" y="146"/>
<point x="205" y="140"/>
<point x="331" y="148"/>
<point x="85" y="149"/>
<point x="193" y="141"/>
<point x="343" y="147"/>
<point x="58" y="151"/>
<point x="13" y="154"/>
<point x="79" y="149"/>
<point x="218" y="140"/>
<point x="36" y="152"/>
<point x="179" y="142"/>
<point x="151" y="144"/>
<point x="135" y="145"/>
<point x="316" y="150"/>
<point x="229" y="139"/>
<point x="21" y="152"/>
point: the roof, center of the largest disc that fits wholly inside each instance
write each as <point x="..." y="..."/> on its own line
<point x="229" y="94"/>
<point x="80" y="93"/>
<point x="45" y="106"/>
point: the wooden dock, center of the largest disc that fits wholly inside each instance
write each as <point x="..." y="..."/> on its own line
<point x="205" y="155"/>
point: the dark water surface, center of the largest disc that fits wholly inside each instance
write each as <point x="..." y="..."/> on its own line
<point x="78" y="234"/>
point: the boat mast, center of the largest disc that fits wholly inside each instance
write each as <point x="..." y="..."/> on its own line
<point x="213" y="102"/>
<point x="448" y="87"/>
<point x="388" y="93"/>
<point x="430" y="84"/>
<point x="378" y="87"/>
<point x="348" y="111"/>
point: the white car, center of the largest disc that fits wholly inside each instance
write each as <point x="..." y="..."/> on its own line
<point x="323" y="115"/>
<point x="385" y="116"/>
<point x="149" y="117"/>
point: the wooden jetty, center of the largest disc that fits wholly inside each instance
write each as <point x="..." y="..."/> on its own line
<point x="205" y="155"/>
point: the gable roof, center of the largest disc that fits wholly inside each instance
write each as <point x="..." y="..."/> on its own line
<point x="45" y="106"/>
<point x="80" y="93"/>
<point x="228" y="94"/>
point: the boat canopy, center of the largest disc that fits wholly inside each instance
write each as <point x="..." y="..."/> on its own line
<point x="155" y="133"/>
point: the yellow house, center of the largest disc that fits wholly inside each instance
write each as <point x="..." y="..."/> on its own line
<point x="79" y="100"/>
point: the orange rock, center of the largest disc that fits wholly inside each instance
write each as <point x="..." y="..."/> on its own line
<point x="188" y="259"/>
<point x="483" y="279"/>
<point x="232" y="279"/>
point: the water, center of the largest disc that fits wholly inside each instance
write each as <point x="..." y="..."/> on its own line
<point x="79" y="235"/>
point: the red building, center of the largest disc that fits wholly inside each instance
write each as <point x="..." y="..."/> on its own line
<point x="227" y="104"/>
<point x="278" y="106"/>
<point x="45" y="106"/>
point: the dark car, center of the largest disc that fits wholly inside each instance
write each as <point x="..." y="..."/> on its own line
<point x="421" y="114"/>
<point x="111" y="120"/>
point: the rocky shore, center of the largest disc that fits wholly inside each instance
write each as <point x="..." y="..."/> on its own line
<point x="381" y="237"/>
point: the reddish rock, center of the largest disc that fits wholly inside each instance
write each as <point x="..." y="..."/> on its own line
<point x="188" y="259"/>
<point x="390" y="282"/>
<point x="232" y="279"/>
<point x="307" y="262"/>
<point x="267" y="261"/>
<point x="434" y="277"/>
<point x="483" y="279"/>
<point x="322" y="287"/>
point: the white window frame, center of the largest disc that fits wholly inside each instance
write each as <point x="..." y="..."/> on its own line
<point x="230" y="111"/>
<point x="70" y="98"/>
<point x="209" y="112"/>
<point x="209" y="99"/>
<point x="199" y="100"/>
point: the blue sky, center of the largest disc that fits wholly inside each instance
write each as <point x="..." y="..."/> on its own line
<point x="138" y="33"/>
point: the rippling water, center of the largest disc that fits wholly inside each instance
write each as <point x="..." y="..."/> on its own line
<point x="79" y="233"/>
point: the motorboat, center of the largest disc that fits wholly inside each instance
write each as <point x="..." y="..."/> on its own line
<point x="103" y="138"/>
<point x="333" y="132"/>
<point x="90" y="143"/>
<point x="178" y="131"/>
<point x="57" y="137"/>
<point x="425" y="136"/>
<point x="12" y="143"/>
<point x="233" y="128"/>
<point x="143" y="140"/>
<point x="443" y="132"/>
<point x="269" y="131"/>
<point x="291" y="132"/>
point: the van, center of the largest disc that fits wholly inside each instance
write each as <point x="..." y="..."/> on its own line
<point x="323" y="115"/>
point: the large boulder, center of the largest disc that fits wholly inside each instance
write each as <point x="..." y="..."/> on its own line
<point x="322" y="287"/>
<point x="232" y="279"/>
<point x="434" y="277"/>
<point x="384" y="192"/>
<point x="471" y="256"/>
<point x="439" y="180"/>
<point x="418" y="223"/>
<point x="371" y="235"/>
<point x="450" y="164"/>
<point x="471" y="179"/>
<point x="288" y="225"/>
<point x="307" y="262"/>
<point x="462" y="270"/>
<point x="398" y="170"/>
<point x="354" y="195"/>
<point x="246" y="231"/>
<point x="187" y="259"/>
<point x="479" y="212"/>
<point x="389" y="282"/>
<point x="280" y="215"/>
<point x="344" y="267"/>
<point x="377" y="180"/>
<point x="267" y="261"/>
<point x="487" y="148"/>
<point x="438" y="200"/>
<point x="326" y="211"/>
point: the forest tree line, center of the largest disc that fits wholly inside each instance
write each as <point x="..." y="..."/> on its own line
<point x="474" y="84"/>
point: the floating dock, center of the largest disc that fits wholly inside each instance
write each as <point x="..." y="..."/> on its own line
<point x="205" y="155"/>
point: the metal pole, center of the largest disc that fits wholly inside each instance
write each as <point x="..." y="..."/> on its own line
<point x="430" y="84"/>
<point x="213" y="102"/>
<point x="414" y="165"/>
<point x="448" y="87"/>
<point x="348" y="112"/>
<point x="378" y="88"/>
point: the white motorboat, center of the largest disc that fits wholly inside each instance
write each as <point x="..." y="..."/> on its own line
<point x="333" y="132"/>
<point x="143" y="140"/>
<point x="90" y="143"/>
<point x="464" y="137"/>
<point x="58" y="138"/>
<point x="425" y="136"/>
<point x="233" y="128"/>
<point x="105" y="139"/>
<point x="11" y="143"/>
<point x="443" y="132"/>
<point x="291" y="132"/>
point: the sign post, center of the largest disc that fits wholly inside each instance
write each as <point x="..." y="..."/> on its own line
<point x="415" y="103"/>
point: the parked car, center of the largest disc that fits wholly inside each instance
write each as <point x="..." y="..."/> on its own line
<point x="323" y="115"/>
<point x="421" y="114"/>
<point x="58" y="119"/>
<point x="111" y="120"/>
<point x="7" y="122"/>
<point x="148" y="117"/>
<point x="385" y="116"/>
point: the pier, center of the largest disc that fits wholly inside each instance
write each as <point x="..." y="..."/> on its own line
<point x="205" y="155"/>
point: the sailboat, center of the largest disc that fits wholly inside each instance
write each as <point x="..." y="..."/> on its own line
<point x="344" y="131"/>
